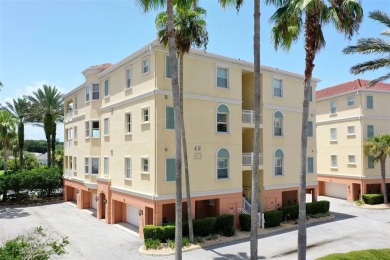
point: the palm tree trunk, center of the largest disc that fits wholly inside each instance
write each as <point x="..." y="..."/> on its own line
<point x="5" y="157"/>
<point x="185" y="155"/>
<point x="383" y="174"/>
<point x="256" y="138"/>
<point x="178" y="136"/>
<point x="312" y="20"/>
<point x="53" y="143"/>
<point x="21" y="143"/>
<point x="47" y="125"/>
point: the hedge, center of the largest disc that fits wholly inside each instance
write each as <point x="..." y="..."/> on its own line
<point x="373" y="199"/>
<point x="245" y="222"/>
<point x="161" y="233"/>
<point x="224" y="225"/>
<point x="204" y="226"/>
<point x="312" y="208"/>
<point x="290" y="212"/>
<point x="273" y="218"/>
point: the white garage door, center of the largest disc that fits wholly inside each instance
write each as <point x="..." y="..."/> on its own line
<point x="94" y="202"/>
<point x="336" y="190"/>
<point x="132" y="215"/>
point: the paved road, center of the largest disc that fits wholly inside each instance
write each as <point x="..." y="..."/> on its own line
<point x="352" y="229"/>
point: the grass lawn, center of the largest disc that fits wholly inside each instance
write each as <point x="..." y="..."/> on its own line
<point x="371" y="254"/>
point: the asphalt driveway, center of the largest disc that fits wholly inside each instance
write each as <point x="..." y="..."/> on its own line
<point x="352" y="229"/>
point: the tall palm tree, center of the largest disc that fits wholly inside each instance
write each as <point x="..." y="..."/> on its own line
<point x="190" y="31"/>
<point x="289" y="19"/>
<point x="7" y="133"/>
<point x="378" y="46"/>
<point x="47" y="106"/>
<point x="19" y="109"/>
<point x="156" y="4"/>
<point x="379" y="147"/>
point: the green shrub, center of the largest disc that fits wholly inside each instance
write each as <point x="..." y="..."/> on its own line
<point x="224" y="225"/>
<point x="152" y="243"/>
<point x="373" y="199"/>
<point x="290" y="211"/>
<point x="168" y="233"/>
<point x="204" y="226"/>
<point x="171" y="243"/>
<point x="161" y="233"/>
<point x="185" y="242"/>
<point x="245" y="222"/>
<point x="212" y="237"/>
<point x="321" y="206"/>
<point x="273" y="218"/>
<point x="185" y="228"/>
<point x="198" y="240"/>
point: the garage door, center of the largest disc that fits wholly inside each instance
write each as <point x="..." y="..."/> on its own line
<point x="336" y="190"/>
<point x="132" y="215"/>
<point x="94" y="202"/>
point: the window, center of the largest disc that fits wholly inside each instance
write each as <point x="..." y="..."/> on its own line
<point x="278" y="123"/>
<point x="145" y="65"/>
<point x="370" y="162"/>
<point x="170" y="169"/>
<point x="351" y="159"/>
<point x="333" y="134"/>
<point x="277" y="85"/>
<point x="86" y="165"/>
<point x="106" y="166"/>
<point x="310" y="129"/>
<point x="87" y="129"/>
<point x="106" y="88"/>
<point x="145" y="164"/>
<point x="310" y="165"/>
<point x="145" y="115"/>
<point x="222" y="77"/>
<point x="351" y="130"/>
<point x="223" y="164"/>
<point x="87" y="91"/>
<point x="222" y="119"/>
<point x="75" y="103"/>
<point x="106" y="126"/>
<point x="167" y="67"/>
<point x="350" y="101"/>
<point x="75" y="163"/>
<point x="128" y="168"/>
<point x="310" y="94"/>
<point x="169" y="118"/>
<point x="333" y="159"/>
<point x="75" y="133"/>
<point x="69" y="134"/>
<point x="95" y="129"/>
<point x="370" y="102"/>
<point x="128" y="78"/>
<point x="333" y="107"/>
<point x="370" y="131"/>
<point x="95" y="91"/>
<point x="278" y="170"/>
<point x="128" y="123"/>
<point x="95" y="165"/>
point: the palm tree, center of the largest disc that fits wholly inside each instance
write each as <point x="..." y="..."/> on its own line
<point x="47" y="106"/>
<point x="378" y="46"/>
<point x="147" y="5"/>
<point x="1" y="85"/>
<point x="19" y="109"/>
<point x="289" y="18"/>
<point x="190" y="29"/>
<point x="7" y="133"/>
<point x="379" y="147"/>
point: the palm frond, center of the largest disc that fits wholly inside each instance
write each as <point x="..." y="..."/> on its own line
<point x="381" y="17"/>
<point x="369" y="46"/>
<point x="370" y="65"/>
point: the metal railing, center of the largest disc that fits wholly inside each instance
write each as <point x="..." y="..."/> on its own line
<point x="247" y="159"/>
<point x="248" y="116"/>
<point x="246" y="205"/>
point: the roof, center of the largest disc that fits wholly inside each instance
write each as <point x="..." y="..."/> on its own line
<point x="359" y="84"/>
<point x="101" y="66"/>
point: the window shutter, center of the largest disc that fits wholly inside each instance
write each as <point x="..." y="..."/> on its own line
<point x="170" y="121"/>
<point x="170" y="170"/>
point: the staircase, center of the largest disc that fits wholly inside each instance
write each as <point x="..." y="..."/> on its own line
<point x="247" y="210"/>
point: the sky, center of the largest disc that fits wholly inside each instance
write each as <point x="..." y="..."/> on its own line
<point x="52" y="41"/>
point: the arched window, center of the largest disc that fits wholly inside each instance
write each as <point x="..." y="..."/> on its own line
<point x="278" y="123"/>
<point x="279" y="158"/>
<point x="222" y="119"/>
<point x="223" y="164"/>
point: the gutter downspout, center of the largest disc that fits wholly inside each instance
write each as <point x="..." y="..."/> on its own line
<point x="155" y="138"/>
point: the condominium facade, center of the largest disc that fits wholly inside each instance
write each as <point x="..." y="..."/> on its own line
<point x="119" y="137"/>
<point x="347" y="115"/>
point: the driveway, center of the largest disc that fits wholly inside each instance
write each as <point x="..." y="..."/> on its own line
<point x="352" y="229"/>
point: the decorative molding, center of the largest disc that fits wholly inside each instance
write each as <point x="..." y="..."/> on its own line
<point x="338" y="120"/>
<point x="290" y="185"/>
<point x="284" y="108"/>
<point x="77" y="180"/>
<point x="355" y="91"/>
<point x="127" y="101"/>
<point x="330" y="175"/>
<point x="103" y="179"/>
<point x="202" y="97"/>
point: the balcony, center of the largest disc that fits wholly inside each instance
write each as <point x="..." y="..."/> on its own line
<point x="68" y="116"/>
<point x="248" y="117"/>
<point x="247" y="159"/>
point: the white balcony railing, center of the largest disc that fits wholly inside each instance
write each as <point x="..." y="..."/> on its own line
<point x="248" y="116"/>
<point x="247" y="159"/>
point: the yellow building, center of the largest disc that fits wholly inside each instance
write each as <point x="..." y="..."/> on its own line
<point x="347" y="115"/>
<point x="119" y="137"/>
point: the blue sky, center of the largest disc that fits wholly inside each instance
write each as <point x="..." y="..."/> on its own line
<point x="52" y="41"/>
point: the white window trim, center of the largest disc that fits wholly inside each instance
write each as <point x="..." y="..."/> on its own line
<point x="330" y="107"/>
<point x="91" y="129"/>
<point x="166" y="158"/>
<point x="216" y="165"/>
<point x="372" y="102"/>
<point x="331" y="162"/>
<point x="354" y="131"/>
<point x="130" y="68"/>
<point x="331" y="135"/>
<point x="348" y="105"/>
<point x="74" y="163"/>
<point x="89" y="166"/>
<point x="142" y="65"/>
<point x="273" y="165"/>
<point x="89" y="86"/>
<point x="282" y="88"/>
<point x="131" y="123"/>
<point x="143" y="117"/>
<point x="104" y="166"/>
<point x="90" y="159"/>
<point x="351" y="163"/>
<point x="91" y="93"/>
<point x="228" y="120"/>
<point x="104" y="92"/>
<point x="222" y="66"/>
<point x="125" y="168"/>
<point x="142" y="164"/>
<point x="104" y="126"/>
<point x="273" y="124"/>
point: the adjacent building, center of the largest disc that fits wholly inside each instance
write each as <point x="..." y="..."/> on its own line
<point x="119" y="137"/>
<point x="347" y="115"/>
